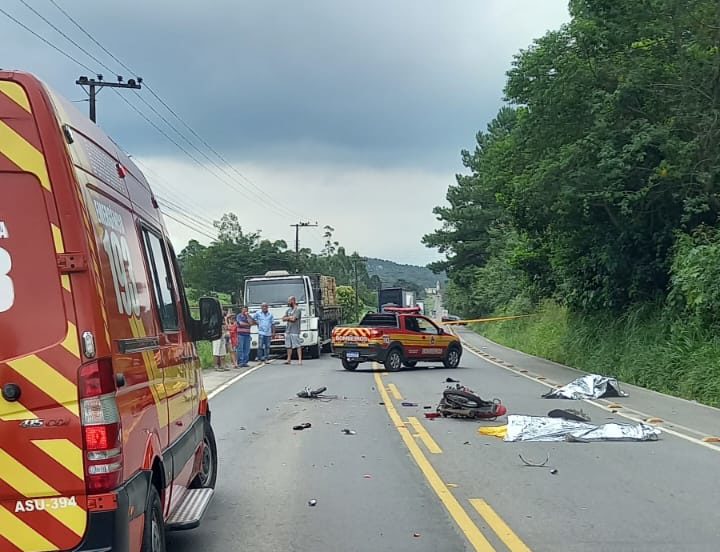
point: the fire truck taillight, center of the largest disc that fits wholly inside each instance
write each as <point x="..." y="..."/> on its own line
<point x="375" y="333"/>
<point x="102" y="431"/>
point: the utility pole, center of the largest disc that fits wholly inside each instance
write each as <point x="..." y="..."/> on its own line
<point x="297" y="233"/>
<point x="95" y="85"/>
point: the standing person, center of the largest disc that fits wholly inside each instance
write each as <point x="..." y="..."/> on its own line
<point x="266" y="329"/>
<point x="219" y="349"/>
<point x="292" y="331"/>
<point x="244" y="321"/>
<point x="233" y="329"/>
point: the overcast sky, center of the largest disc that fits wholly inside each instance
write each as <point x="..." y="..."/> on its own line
<point x="351" y="114"/>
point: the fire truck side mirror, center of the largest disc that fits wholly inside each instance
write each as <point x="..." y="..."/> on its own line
<point x="209" y="327"/>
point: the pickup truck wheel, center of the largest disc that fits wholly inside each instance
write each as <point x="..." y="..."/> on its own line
<point x="349" y="364"/>
<point x="410" y="363"/>
<point x="452" y="358"/>
<point x="393" y="361"/>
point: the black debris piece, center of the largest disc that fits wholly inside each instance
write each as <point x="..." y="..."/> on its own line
<point x="569" y="414"/>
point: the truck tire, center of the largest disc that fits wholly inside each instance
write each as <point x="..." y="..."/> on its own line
<point x="154" y="531"/>
<point x="349" y="364"/>
<point x="393" y="360"/>
<point x="452" y="357"/>
<point x="410" y="363"/>
<point x="314" y="350"/>
<point x="253" y="354"/>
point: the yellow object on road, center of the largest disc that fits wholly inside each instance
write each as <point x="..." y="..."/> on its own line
<point x="494" y="431"/>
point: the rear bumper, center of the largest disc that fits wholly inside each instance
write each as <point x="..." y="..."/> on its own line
<point x="373" y="353"/>
<point x="110" y="530"/>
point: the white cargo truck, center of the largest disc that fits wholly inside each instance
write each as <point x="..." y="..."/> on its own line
<point x="316" y="298"/>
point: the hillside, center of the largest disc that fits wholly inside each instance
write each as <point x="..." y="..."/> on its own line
<point x="390" y="272"/>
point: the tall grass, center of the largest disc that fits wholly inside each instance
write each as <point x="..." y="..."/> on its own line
<point x="643" y="346"/>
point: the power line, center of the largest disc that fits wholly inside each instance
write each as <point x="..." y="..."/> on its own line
<point x="175" y="114"/>
<point x="134" y="108"/>
<point x="46" y="41"/>
<point x="86" y="33"/>
<point x="59" y="31"/>
<point x="188" y="226"/>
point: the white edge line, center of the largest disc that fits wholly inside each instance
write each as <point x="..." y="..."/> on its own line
<point x="592" y="402"/>
<point x="233" y="381"/>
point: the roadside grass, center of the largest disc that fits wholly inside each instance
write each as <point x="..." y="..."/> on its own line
<point x="204" y="349"/>
<point x="642" y="346"/>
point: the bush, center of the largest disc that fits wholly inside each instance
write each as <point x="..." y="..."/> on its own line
<point x="644" y="346"/>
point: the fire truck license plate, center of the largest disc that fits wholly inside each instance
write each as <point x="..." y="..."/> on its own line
<point x="353" y="354"/>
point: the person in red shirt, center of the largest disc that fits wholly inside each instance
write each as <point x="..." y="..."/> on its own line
<point x="233" y="330"/>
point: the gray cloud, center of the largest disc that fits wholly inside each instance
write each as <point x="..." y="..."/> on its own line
<point x="381" y="85"/>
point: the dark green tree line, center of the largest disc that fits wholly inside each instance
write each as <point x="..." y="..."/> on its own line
<point x="601" y="169"/>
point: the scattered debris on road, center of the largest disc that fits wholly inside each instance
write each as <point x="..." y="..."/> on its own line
<point x="367" y="476"/>
<point x="535" y="464"/>
<point x="409" y="404"/>
<point x="349" y="432"/>
<point x="569" y="414"/>
<point x="310" y="393"/>
<point x="312" y="502"/>
<point x="538" y="428"/>
<point x="416" y="535"/>
<point x="591" y="386"/>
<point x="450" y="380"/>
<point x="300" y="427"/>
<point x="432" y="415"/>
<point x="553" y="471"/>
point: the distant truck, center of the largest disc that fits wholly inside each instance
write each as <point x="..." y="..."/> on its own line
<point x="396" y="297"/>
<point x="316" y="297"/>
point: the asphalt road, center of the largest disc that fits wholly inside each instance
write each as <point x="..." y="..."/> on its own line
<point x="438" y="485"/>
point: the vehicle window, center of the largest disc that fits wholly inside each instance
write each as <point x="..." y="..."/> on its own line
<point x="425" y="326"/>
<point x="160" y="269"/>
<point x="274" y="292"/>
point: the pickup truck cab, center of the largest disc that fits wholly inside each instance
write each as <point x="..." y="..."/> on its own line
<point x="395" y="339"/>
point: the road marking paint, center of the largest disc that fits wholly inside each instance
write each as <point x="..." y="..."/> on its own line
<point x="624" y="414"/>
<point x="395" y="392"/>
<point x="236" y="379"/>
<point x="425" y="437"/>
<point x="511" y="540"/>
<point x="454" y="508"/>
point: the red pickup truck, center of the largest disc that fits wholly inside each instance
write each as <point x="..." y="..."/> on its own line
<point x="395" y="340"/>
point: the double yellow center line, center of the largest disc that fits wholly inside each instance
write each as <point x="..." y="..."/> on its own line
<point x="461" y="517"/>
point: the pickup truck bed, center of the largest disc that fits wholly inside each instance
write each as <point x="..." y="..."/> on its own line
<point x="395" y="340"/>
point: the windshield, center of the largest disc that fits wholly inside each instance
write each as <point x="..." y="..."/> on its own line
<point x="274" y="292"/>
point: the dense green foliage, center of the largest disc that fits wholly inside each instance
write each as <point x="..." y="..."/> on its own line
<point x="642" y="346"/>
<point x="223" y="266"/>
<point x="596" y="186"/>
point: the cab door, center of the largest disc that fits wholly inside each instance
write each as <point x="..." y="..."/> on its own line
<point x="428" y="343"/>
<point x="173" y="359"/>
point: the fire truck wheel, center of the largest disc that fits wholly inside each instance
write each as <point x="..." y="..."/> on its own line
<point x="154" y="532"/>
<point x="393" y="360"/>
<point x="208" y="469"/>
<point x="349" y="365"/>
<point x="410" y="363"/>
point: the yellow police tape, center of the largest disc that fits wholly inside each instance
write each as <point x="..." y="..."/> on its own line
<point x="479" y="320"/>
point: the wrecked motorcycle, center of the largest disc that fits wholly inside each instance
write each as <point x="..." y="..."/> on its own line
<point x="462" y="402"/>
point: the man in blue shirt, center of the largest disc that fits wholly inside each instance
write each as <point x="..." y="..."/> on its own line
<point x="266" y="328"/>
